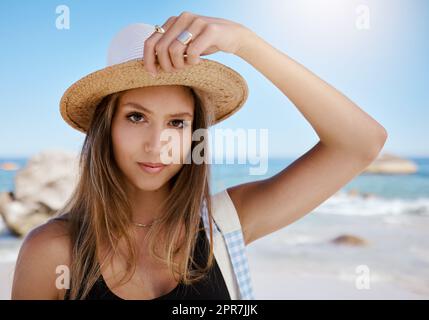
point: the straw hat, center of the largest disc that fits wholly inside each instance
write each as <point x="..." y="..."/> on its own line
<point x="221" y="89"/>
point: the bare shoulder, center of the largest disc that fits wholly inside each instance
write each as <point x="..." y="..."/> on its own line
<point x="45" y="250"/>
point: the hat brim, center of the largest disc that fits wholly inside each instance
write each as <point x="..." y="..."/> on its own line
<point x="222" y="90"/>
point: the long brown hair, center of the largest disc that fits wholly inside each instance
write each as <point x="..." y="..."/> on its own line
<point x="99" y="213"/>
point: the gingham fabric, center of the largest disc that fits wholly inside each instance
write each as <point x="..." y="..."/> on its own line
<point x="237" y="252"/>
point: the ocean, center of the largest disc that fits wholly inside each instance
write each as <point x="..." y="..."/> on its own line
<point x="391" y="194"/>
<point x="390" y="212"/>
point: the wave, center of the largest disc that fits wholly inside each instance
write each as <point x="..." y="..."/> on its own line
<point x="343" y="203"/>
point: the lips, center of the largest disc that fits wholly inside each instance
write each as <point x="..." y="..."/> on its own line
<point x="151" y="167"/>
<point x="152" y="164"/>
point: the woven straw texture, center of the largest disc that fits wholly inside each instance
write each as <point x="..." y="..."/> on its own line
<point x="222" y="90"/>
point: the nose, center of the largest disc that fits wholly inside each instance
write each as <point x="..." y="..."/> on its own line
<point x="153" y="141"/>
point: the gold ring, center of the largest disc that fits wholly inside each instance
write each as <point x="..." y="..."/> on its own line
<point x="159" y="29"/>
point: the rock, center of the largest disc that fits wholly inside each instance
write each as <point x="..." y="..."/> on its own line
<point x="391" y="164"/>
<point x="49" y="178"/>
<point x="18" y="217"/>
<point x="357" y="193"/>
<point x="9" y="166"/>
<point x="41" y="188"/>
<point x="350" y="240"/>
<point x="353" y="192"/>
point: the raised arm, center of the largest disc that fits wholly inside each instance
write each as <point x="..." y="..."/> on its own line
<point x="349" y="138"/>
<point x="349" y="141"/>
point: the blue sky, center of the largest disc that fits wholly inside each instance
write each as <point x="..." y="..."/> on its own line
<point x="383" y="69"/>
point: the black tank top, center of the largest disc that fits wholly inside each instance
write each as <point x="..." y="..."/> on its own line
<point x="212" y="286"/>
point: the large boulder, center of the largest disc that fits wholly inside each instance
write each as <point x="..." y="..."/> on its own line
<point x="391" y="164"/>
<point x="41" y="188"/>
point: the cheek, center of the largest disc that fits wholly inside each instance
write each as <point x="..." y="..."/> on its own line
<point x="186" y="144"/>
<point x="177" y="149"/>
<point x="173" y="169"/>
<point x="124" y="140"/>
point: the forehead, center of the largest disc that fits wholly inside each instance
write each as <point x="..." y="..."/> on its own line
<point x="160" y="99"/>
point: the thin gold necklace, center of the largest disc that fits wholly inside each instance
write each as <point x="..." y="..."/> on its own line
<point x="144" y="225"/>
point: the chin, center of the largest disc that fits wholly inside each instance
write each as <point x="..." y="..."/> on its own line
<point x="148" y="182"/>
<point x="149" y="185"/>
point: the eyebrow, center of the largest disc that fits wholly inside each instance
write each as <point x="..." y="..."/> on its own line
<point x="139" y="106"/>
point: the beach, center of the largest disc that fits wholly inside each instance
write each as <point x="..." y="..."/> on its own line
<point x="390" y="214"/>
<point x="9" y="247"/>
<point x="301" y="262"/>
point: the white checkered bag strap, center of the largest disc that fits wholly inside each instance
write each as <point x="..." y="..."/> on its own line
<point x="227" y="224"/>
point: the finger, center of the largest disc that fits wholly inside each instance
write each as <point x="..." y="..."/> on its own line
<point x="149" y="54"/>
<point x="205" y="40"/>
<point x="163" y="44"/>
<point x="177" y="49"/>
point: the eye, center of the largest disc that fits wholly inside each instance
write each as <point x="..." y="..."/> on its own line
<point x="133" y="117"/>
<point x="178" y="123"/>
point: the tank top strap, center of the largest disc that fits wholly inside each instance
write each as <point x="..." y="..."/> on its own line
<point x="229" y="246"/>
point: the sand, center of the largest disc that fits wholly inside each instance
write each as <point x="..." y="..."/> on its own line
<point x="6" y="278"/>
<point x="299" y="262"/>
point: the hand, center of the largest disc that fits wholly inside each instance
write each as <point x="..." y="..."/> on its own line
<point x="209" y="35"/>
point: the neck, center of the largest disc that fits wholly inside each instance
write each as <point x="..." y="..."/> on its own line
<point x="146" y="205"/>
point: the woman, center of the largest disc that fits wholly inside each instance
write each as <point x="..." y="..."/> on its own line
<point x="138" y="227"/>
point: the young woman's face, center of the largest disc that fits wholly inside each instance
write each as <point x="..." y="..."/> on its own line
<point x="141" y="117"/>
